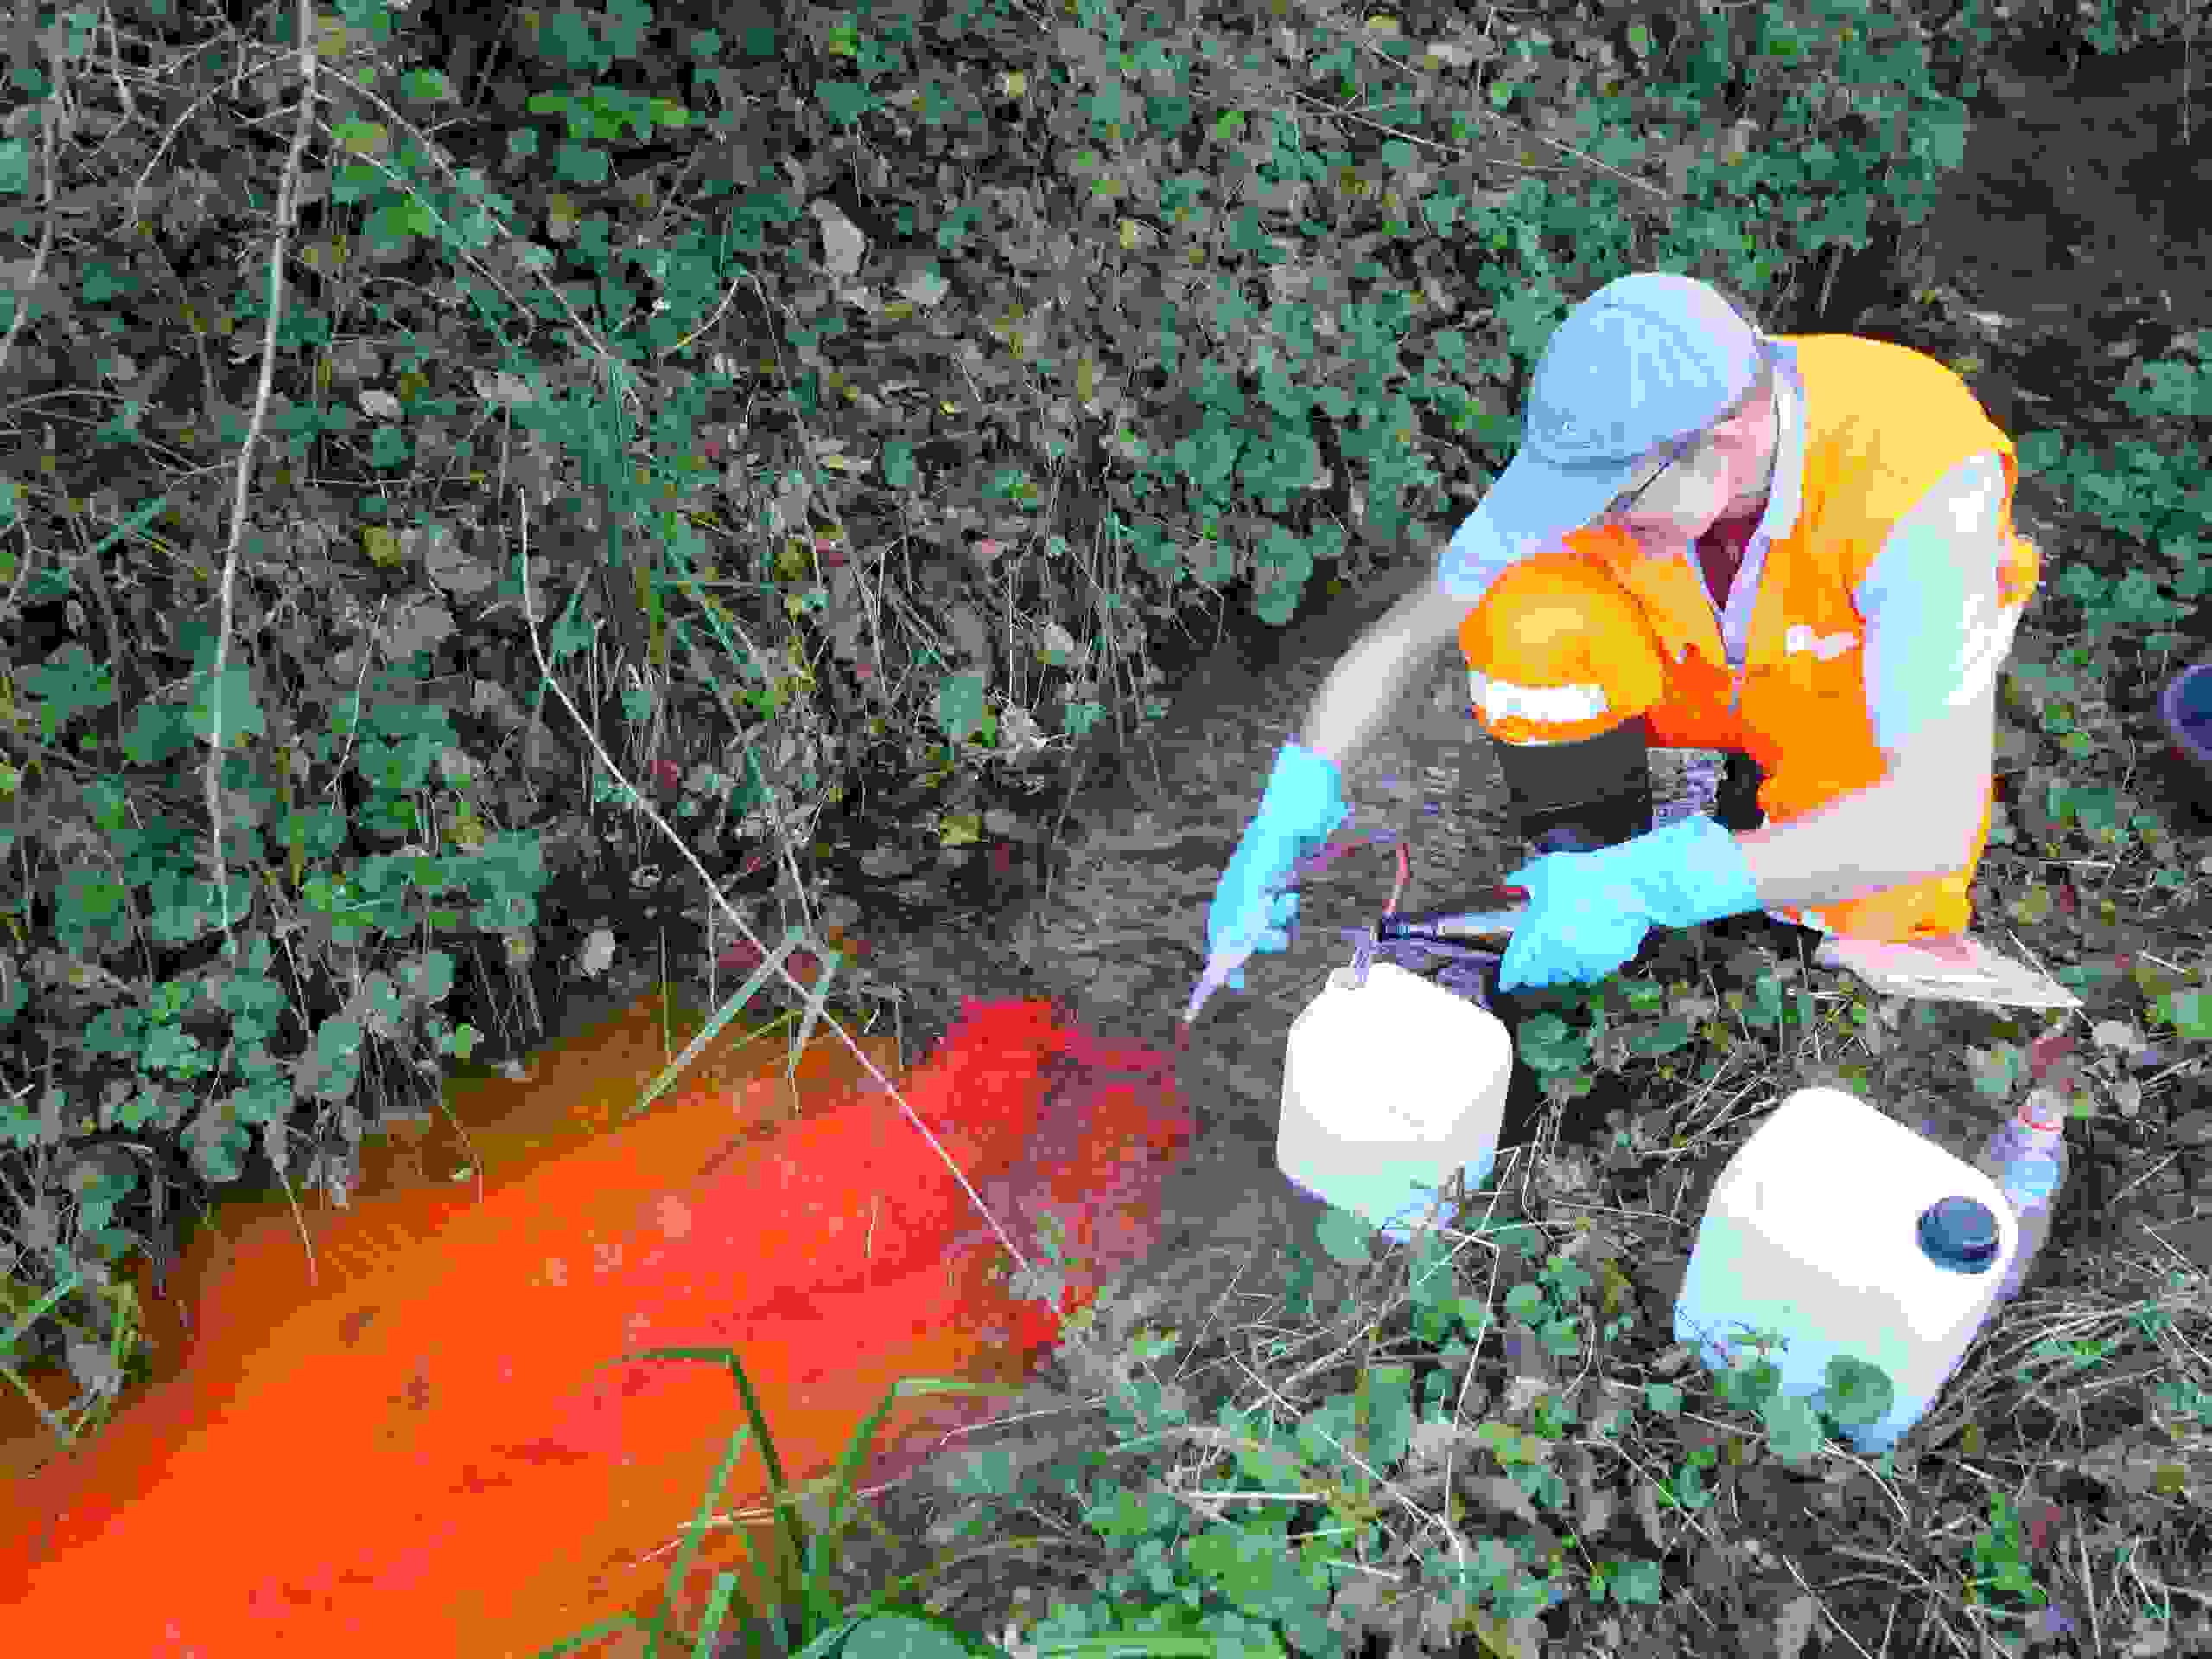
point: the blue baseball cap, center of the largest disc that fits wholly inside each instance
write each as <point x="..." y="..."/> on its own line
<point x="1645" y="362"/>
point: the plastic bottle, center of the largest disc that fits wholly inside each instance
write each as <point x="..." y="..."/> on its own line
<point x="1389" y="1089"/>
<point x="1844" y="1233"/>
<point x="2027" y="1159"/>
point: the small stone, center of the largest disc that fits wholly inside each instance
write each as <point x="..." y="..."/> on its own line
<point x="886" y="862"/>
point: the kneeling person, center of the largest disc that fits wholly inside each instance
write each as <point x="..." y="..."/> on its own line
<point x="1795" y="549"/>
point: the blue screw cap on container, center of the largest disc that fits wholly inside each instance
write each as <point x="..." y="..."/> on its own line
<point x="2185" y="710"/>
<point x="1960" y="1234"/>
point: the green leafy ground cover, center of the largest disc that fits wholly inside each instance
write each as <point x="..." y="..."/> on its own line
<point x="698" y="413"/>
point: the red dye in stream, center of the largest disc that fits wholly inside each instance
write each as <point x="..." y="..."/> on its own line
<point x="416" y="1451"/>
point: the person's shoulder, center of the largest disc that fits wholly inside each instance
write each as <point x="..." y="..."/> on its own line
<point x="1888" y="371"/>
<point x="1852" y="346"/>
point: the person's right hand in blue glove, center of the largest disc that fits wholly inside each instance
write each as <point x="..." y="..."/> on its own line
<point x="1302" y="808"/>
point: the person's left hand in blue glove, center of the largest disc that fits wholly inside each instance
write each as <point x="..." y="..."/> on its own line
<point x="1588" y="911"/>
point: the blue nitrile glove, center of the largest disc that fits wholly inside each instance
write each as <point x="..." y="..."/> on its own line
<point x="1589" y="911"/>
<point x="1303" y="805"/>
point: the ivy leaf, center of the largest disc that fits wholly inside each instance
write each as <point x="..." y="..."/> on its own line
<point x="70" y="682"/>
<point x="1793" y="1427"/>
<point x="1748" y="1386"/>
<point x="845" y="100"/>
<point x="2040" y="451"/>
<point x="1549" y="1045"/>
<point x="960" y="706"/>
<point x="1766" y="1002"/>
<point x="1995" y="1070"/>
<point x="1662" y="1037"/>
<point x="1345" y="1237"/>
<point x="1638" y="1581"/>
<point x="1568" y="1277"/>
<point x="2188" y="1012"/>
<point x="1857" y="1391"/>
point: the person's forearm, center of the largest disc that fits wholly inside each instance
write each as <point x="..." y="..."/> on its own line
<point x="1891" y="833"/>
<point x="1363" y="691"/>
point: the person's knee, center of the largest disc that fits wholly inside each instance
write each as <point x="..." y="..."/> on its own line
<point x="1557" y="652"/>
<point x="1541" y="614"/>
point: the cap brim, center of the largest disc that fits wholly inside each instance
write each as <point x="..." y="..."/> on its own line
<point x="1535" y="503"/>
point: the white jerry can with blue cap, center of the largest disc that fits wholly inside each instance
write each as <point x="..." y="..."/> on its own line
<point x="1390" y="1089"/>
<point x="1847" y="1234"/>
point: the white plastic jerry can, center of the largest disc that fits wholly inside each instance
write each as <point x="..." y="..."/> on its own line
<point x="1390" y="1089"/>
<point x="1846" y="1233"/>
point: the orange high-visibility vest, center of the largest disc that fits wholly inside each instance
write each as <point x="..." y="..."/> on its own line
<point x="1882" y="426"/>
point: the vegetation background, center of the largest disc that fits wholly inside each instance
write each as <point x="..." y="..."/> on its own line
<point x="472" y="467"/>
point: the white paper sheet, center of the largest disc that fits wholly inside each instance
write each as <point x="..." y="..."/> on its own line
<point x="1965" y="970"/>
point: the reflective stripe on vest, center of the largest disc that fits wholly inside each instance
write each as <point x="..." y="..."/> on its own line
<point x="1988" y="643"/>
<point x="1552" y="704"/>
<point x="1827" y="648"/>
